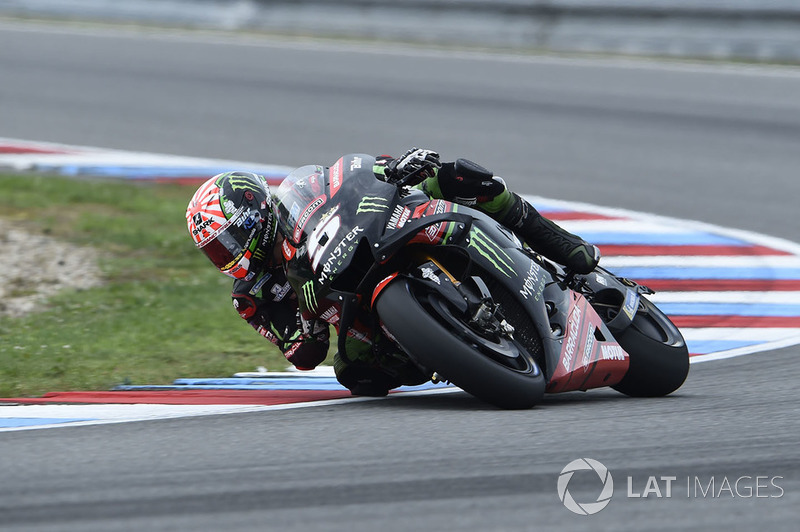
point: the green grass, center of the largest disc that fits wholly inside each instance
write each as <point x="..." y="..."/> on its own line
<point x="163" y="311"/>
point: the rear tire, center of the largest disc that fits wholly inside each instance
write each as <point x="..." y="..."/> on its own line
<point x="419" y="331"/>
<point x="659" y="358"/>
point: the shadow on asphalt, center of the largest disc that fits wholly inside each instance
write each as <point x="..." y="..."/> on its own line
<point x="464" y="401"/>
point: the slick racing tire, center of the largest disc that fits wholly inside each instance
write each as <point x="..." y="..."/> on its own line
<point x="501" y="372"/>
<point x="659" y="358"/>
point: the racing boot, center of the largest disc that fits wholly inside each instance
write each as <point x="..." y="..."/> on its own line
<point x="548" y="238"/>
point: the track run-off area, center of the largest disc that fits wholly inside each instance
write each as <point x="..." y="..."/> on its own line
<point x="684" y="174"/>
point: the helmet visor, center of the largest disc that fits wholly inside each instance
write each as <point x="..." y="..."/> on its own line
<point x="229" y="245"/>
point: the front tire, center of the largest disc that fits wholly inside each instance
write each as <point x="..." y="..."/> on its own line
<point x="421" y="333"/>
<point x="659" y="358"/>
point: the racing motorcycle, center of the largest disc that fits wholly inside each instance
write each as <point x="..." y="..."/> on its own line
<point x="463" y="297"/>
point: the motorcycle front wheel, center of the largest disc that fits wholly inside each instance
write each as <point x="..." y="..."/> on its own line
<point x="499" y="371"/>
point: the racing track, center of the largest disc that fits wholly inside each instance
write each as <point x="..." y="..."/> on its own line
<point x="693" y="142"/>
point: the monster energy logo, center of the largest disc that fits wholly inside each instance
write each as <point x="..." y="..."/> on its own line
<point x="491" y="251"/>
<point x="373" y="204"/>
<point x="260" y="254"/>
<point x="310" y="296"/>
<point x="242" y="183"/>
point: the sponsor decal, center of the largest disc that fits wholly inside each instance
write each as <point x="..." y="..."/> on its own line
<point x="269" y="335"/>
<point x="294" y="212"/>
<point x="260" y="253"/>
<point x="533" y="285"/>
<point x="469" y="202"/>
<point x="331" y="315"/>
<point x="243" y="183"/>
<point x="251" y="219"/>
<point x="279" y="292"/>
<point x="310" y="210"/>
<point x="260" y="284"/>
<point x="399" y="217"/>
<point x="310" y="296"/>
<point x="289" y="353"/>
<point x="359" y="335"/>
<point x="588" y="348"/>
<point x="601" y="279"/>
<point x="573" y="330"/>
<point x="487" y="248"/>
<point x="200" y="224"/>
<point x="288" y="250"/>
<point x="631" y="303"/>
<point x="355" y="163"/>
<point x="427" y="273"/>
<point x="345" y="246"/>
<point x="612" y="352"/>
<point x="432" y="231"/>
<point x="373" y="204"/>
<point x="335" y="177"/>
<point x="228" y="206"/>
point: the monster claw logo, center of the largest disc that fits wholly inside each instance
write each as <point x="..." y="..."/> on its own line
<point x="310" y="296"/>
<point x="242" y="183"/>
<point x="373" y="204"/>
<point x="491" y="251"/>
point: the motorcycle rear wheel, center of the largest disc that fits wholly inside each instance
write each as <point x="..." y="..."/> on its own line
<point x="659" y="357"/>
<point x="422" y="324"/>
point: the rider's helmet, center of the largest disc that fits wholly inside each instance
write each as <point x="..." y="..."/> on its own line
<point x="231" y="220"/>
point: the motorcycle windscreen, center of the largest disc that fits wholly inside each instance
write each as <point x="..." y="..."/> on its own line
<point x="299" y="196"/>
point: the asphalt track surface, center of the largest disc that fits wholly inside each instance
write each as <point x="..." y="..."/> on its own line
<point x="717" y="145"/>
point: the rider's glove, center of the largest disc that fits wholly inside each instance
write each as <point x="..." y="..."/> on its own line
<point x="469" y="183"/>
<point x="413" y="167"/>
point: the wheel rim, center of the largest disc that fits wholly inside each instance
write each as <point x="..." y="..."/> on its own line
<point x="503" y="351"/>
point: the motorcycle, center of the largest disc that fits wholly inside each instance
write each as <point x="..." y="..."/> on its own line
<point x="463" y="297"/>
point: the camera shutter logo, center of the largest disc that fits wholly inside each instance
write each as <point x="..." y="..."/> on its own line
<point x="586" y="508"/>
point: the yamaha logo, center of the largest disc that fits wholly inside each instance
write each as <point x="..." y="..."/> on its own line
<point x="585" y="508"/>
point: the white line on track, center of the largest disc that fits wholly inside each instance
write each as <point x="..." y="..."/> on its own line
<point x="712" y="261"/>
<point x="771" y="334"/>
<point x="726" y="297"/>
<point x="732" y="353"/>
<point x="622" y="226"/>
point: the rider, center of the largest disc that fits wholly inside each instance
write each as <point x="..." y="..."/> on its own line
<point x="231" y="219"/>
